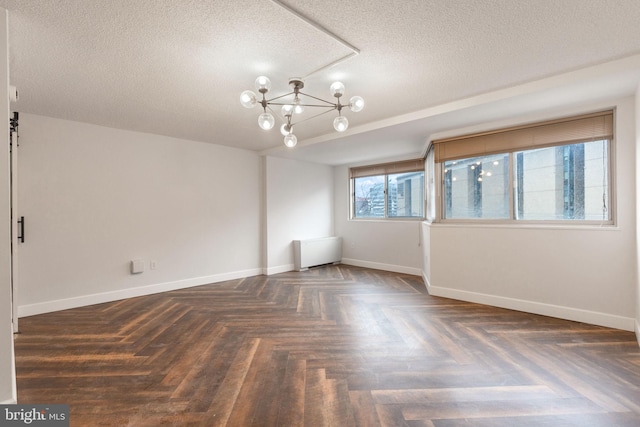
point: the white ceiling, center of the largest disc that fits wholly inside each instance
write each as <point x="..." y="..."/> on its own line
<point x="177" y="67"/>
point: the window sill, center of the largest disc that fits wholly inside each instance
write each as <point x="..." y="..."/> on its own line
<point x="387" y="219"/>
<point x="593" y="226"/>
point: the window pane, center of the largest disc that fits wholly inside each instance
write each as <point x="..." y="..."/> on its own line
<point x="477" y="187"/>
<point x="406" y="195"/>
<point x="369" y="197"/>
<point x="568" y="182"/>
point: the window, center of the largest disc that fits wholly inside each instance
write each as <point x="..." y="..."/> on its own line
<point x="563" y="183"/>
<point x="477" y="187"/>
<point x="555" y="171"/>
<point x="392" y="190"/>
<point x="369" y="197"/>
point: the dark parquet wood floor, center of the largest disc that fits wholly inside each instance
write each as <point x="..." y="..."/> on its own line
<point x="334" y="346"/>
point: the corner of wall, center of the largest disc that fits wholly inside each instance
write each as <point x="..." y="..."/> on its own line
<point x="263" y="215"/>
<point x="427" y="284"/>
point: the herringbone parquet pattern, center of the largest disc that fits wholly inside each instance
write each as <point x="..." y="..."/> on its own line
<point x="334" y="346"/>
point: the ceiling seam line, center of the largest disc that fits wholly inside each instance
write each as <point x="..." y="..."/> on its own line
<point x="354" y="50"/>
<point x="336" y="62"/>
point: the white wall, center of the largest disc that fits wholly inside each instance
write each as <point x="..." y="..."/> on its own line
<point x="95" y="198"/>
<point x="578" y="273"/>
<point x="7" y="361"/>
<point x="299" y="205"/>
<point x="392" y="245"/>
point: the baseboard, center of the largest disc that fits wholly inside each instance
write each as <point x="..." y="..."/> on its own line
<point x="279" y="269"/>
<point x="638" y="332"/>
<point x="561" y="312"/>
<point x="381" y="266"/>
<point x="8" y="402"/>
<point x="85" y="300"/>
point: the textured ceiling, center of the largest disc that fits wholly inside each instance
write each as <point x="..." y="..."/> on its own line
<point x="177" y="68"/>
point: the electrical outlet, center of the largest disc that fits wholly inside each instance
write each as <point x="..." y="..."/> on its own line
<point x="153" y="264"/>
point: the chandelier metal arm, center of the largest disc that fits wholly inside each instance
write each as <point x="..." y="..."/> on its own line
<point x="318" y="99"/>
<point x="327" y="103"/>
<point x="284" y="119"/>
<point x="275" y="113"/>
<point x="332" y="106"/>
<point x="270" y="101"/>
<point x="313" y="117"/>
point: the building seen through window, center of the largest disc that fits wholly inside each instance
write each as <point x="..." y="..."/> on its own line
<point x="566" y="182"/>
<point x="398" y="195"/>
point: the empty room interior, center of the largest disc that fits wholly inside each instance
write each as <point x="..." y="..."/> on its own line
<point x="302" y="213"/>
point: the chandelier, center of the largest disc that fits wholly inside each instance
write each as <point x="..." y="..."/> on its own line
<point x="294" y="103"/>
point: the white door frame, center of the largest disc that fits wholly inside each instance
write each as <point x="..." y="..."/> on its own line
<point x="15" y="229"/>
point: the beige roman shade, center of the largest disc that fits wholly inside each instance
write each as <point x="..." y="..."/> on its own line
<point x="589" y="127"/>
<point x="388" y="168"/>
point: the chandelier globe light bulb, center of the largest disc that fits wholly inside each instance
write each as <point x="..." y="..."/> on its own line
<point x="290" y="140"/>
<point x="286" y="129"/>
<point x="266" y="121"/>
<point x="337" y="89"/>
<point x="263" y="84"/>
<point x="356" y="104"/>
<point x="340" y="123"/>
<point x="287" y="110"/>
<point x="248" y="99"/>
<point x="298" y="108"/>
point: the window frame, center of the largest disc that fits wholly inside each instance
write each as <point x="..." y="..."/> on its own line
<point x="439" y="191"/>
<point x="388" y="171"/>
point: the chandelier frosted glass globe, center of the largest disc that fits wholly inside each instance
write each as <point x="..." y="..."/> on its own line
<point x="286" y="129"/>
<point x="356" y="104"/>
<point x="287" y="110"/>
<point x="263" y="84"/>
<point x="337" y="89"/>
<point x="266" y="121"/>
<point x="290" y="140"/>
<point x="298" y="108"/>
<point x="248" y="99"/>
<point x="340" y="123"/>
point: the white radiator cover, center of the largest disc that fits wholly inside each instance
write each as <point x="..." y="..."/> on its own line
<point x="311" y="252"/>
